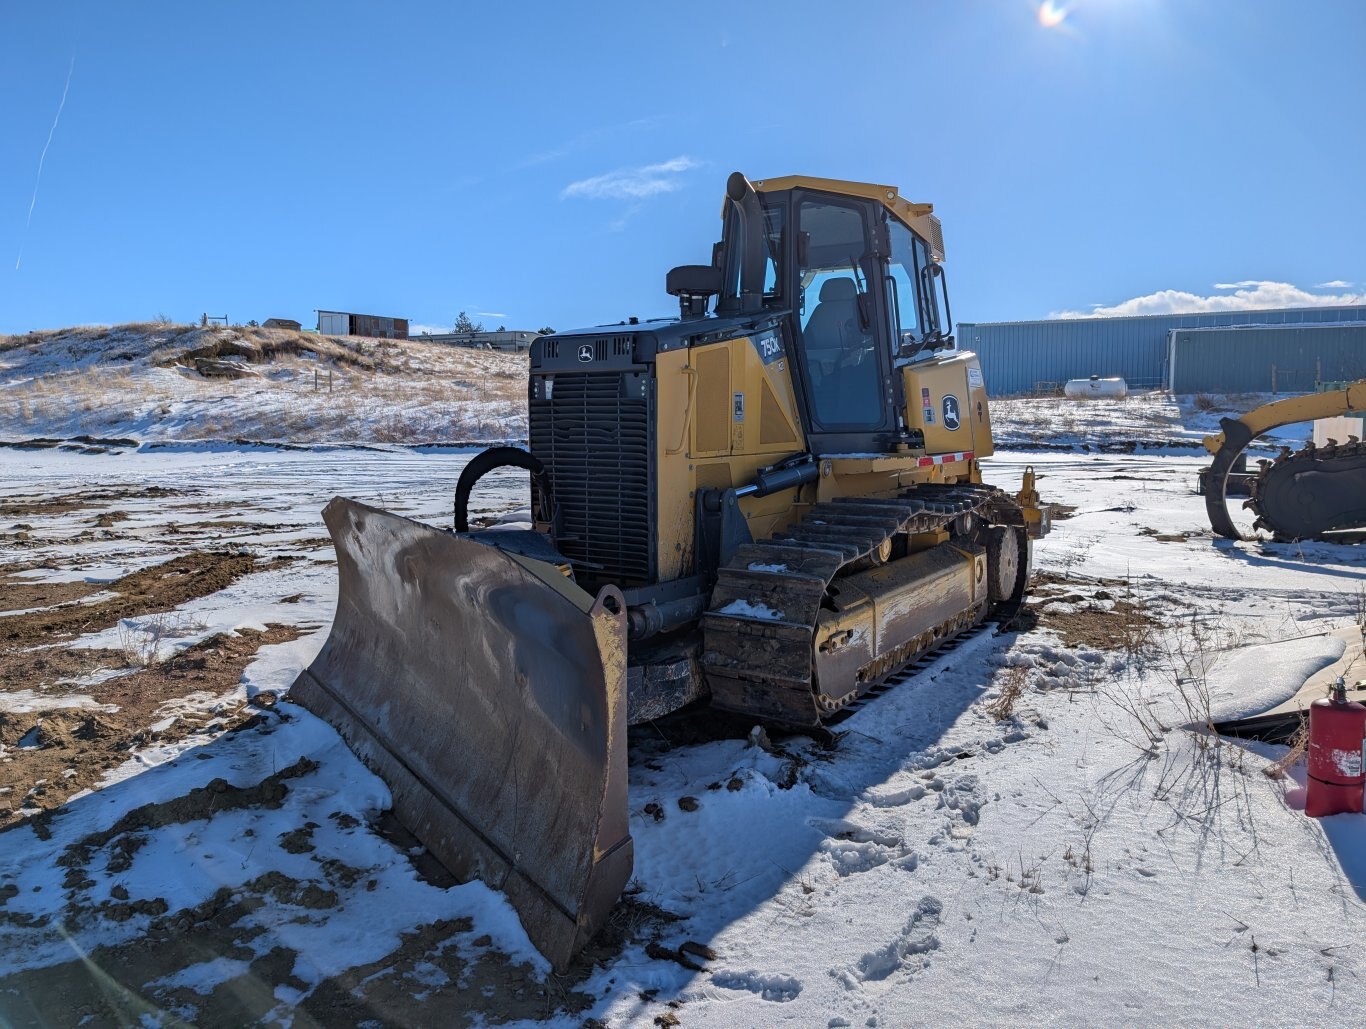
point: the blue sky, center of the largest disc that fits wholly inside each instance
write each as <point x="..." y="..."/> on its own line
<point x="547" y="163"/>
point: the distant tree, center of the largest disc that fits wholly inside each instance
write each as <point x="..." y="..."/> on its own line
<point x="253" y="324"/>
<point x="463" y="324"/>
<point x="546" y="330"/>
<point x="502" y="328"/>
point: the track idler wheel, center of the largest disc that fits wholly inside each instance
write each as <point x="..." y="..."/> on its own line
<point x="1004" y="562"/>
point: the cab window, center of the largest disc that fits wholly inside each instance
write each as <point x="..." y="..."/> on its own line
<point x="838" y="337"/>
<point x="914" y="306"/>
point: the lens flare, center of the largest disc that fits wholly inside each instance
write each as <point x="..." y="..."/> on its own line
<point x="1051" y="14"/>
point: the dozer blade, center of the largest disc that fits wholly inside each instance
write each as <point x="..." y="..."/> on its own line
<point x="488" y="692"/>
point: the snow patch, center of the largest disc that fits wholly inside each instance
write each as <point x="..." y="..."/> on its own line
<point x="18" y="702"/>
<point x="752" y="609"/>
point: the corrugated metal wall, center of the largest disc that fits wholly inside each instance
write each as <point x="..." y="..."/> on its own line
<point x="1016" y="356"/>
<point x="334" y="323"/>
<point x="1286" y="359"/>
<point x="342" y="323"/>
<point x="378" y="326"/>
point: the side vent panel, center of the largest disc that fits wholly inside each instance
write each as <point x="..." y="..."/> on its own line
<point x="712" y="401"/>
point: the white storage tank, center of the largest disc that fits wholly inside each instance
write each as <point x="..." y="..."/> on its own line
<point x="1095" y="386"/>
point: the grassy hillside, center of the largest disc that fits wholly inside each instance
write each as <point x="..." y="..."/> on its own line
<point x="152" y="381"/>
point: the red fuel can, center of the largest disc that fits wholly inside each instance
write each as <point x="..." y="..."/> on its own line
<point x="1336" y="728"/>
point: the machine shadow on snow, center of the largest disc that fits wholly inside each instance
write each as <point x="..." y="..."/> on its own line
<point x="1294" y="555"/>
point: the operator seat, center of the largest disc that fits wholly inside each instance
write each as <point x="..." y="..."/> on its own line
<point x="833" y="326"/>
<point x="846" y="386"/>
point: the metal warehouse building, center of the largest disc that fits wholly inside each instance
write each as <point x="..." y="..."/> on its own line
<point x="1265" y="359"/>
<point x="1224" y="352"/>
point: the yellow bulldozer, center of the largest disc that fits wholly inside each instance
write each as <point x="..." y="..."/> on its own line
<point x="770" y="504"/>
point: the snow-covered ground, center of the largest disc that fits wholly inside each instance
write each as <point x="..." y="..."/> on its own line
<point x="1023" y="832"/>
<point x="1140" y="421"/>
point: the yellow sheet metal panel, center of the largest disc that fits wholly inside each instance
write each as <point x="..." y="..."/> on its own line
<point x="764" y="416"/>
<point x="876" y="611"/>
<point x="947" y="401"/>
<point x="776" y="427"/>
<point x="855" y="477"/>
<point x="675" y="394"/>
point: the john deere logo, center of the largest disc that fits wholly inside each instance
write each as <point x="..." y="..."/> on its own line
<point x="950" y="412"/>
<point x="585" y="351"/>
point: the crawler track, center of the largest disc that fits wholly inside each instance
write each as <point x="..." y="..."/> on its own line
<point x="758" y="635"/>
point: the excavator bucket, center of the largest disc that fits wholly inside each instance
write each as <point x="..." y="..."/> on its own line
<point x="488" y="692"/>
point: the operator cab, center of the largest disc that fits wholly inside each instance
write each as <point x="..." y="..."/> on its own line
<point x="858" y="291"/>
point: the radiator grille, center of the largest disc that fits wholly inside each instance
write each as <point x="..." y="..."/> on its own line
<point x="592" y="432"/>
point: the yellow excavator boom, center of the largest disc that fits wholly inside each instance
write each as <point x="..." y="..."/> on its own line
<point x="1307" y="408"/>
<point x="1316" y="492"/>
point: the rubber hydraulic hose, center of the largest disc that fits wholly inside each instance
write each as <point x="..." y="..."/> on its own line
<point x="485" y="462"/>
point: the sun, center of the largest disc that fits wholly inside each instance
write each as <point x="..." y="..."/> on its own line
<point x="1051" y="14"/>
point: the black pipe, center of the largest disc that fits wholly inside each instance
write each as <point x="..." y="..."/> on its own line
<point x="486" y="461"/>
<point x="753" y="259"/>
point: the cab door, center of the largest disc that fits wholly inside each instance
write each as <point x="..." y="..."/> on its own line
<point x="840" y="324"/>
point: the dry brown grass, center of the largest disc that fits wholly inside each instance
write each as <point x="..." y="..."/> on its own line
<point x="1299" y="747"/>
<point x="1012" y="688"/>
<point x="385" y="391"/>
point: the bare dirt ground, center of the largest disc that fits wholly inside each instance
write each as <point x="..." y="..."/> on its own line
<point x="54" y="743"/>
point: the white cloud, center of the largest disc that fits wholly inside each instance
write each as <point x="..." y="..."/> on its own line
<point x="416" y="329"/>
<point x="490" y="314"/>
<point x="1333" y="284"/>
<point x="632" y="183"/>
<point x="1248" y="295"/>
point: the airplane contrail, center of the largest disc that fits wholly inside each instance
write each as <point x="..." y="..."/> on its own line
<point x="43" y="157"/>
